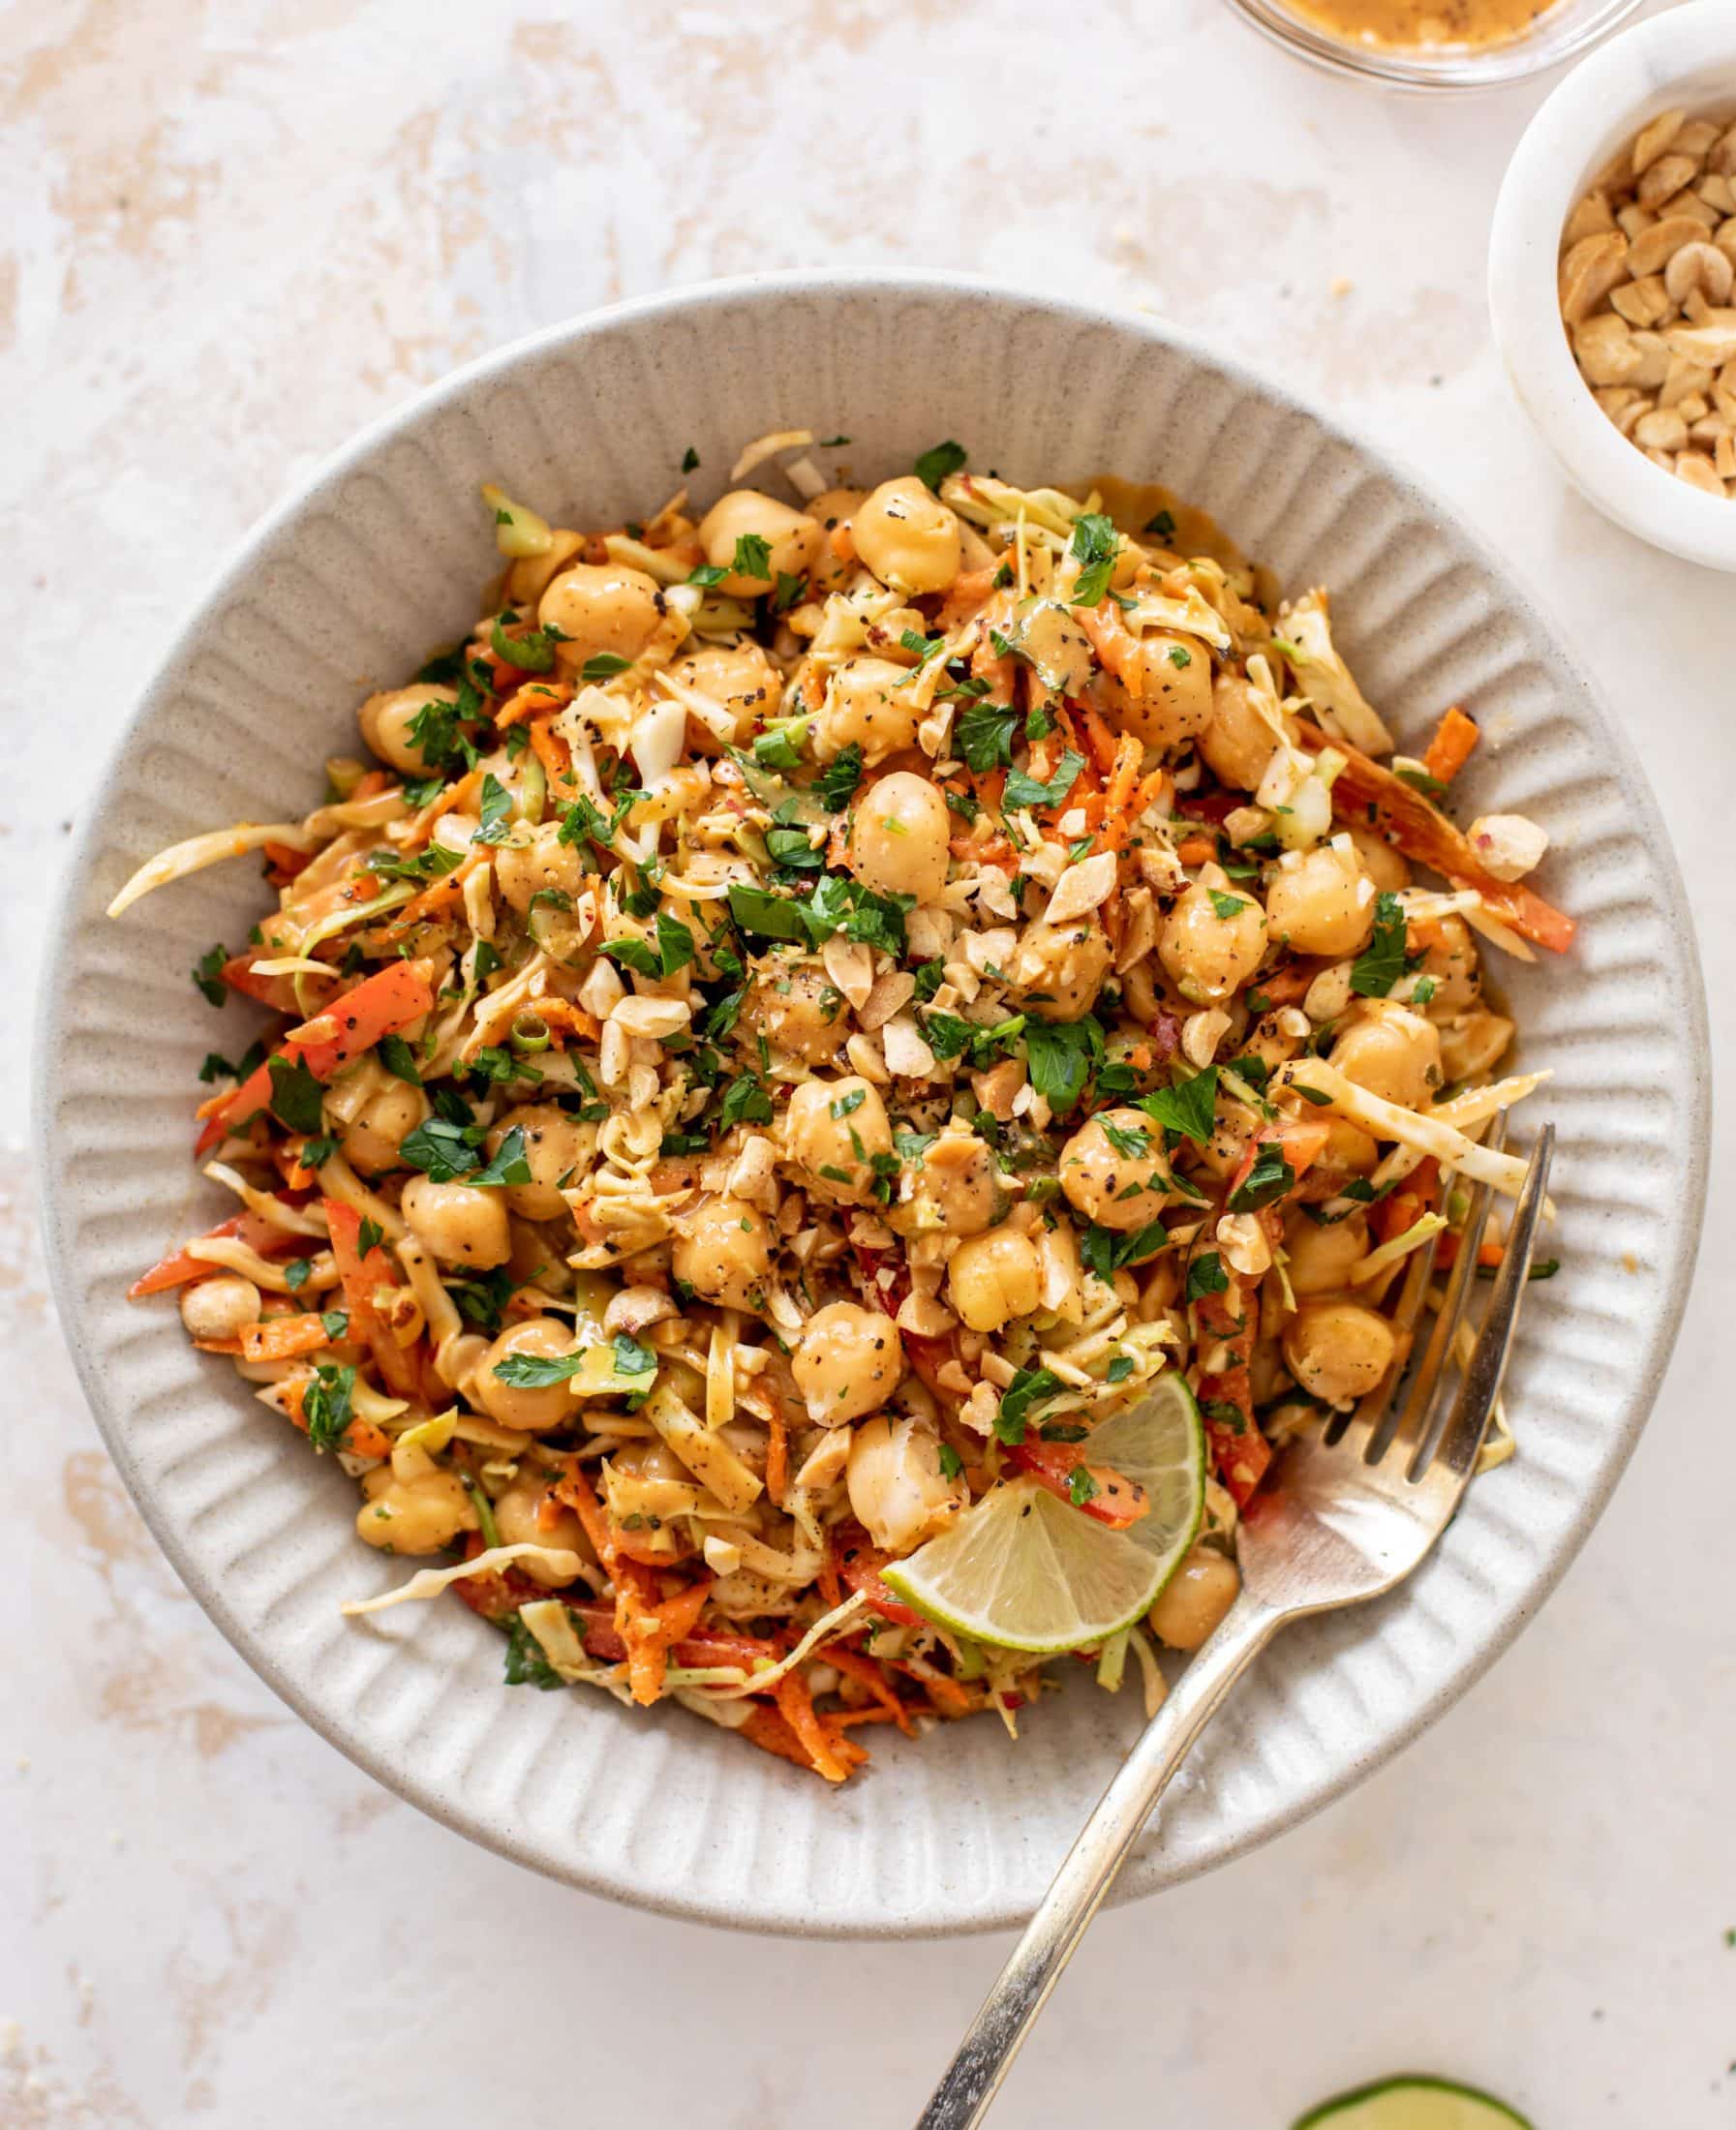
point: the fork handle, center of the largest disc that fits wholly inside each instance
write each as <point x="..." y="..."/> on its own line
<point x="984" y="2057"/>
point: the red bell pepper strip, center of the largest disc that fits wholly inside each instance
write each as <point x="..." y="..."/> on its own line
<point x="181" y="1268"/>
<point x="361" y="1275"/>
<point x="380" y="1005"/>
<point x="1118" y="1499"/>
<point x="859" y="1564"/>
<point x="1369" y="796"/>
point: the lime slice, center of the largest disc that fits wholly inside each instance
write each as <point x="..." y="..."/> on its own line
<point x="1413" y="2104"/>
<point x="1024" y="1569"/>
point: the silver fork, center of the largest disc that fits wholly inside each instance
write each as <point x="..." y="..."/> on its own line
<point x="1347" y="1520"/>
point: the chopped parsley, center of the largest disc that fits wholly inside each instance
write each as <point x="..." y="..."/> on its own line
<point x="1205" y="1275"/>
<point x="1269" y="1178"/>
<point x="1094" y="546"/>
<point x="942" y="459"/>
<point x="1060" y="1056"/>
<point x="1187" y="1106"/>
<point x="208" y="975"/>
<point x="1029" y="1386"/>
<point x="674" y="949"/>
<point x="325" y="1406"/>
<point x="297" y="1098"/>
<point x="603" y="665"/>
<point x="1383" y="961"/>
<point x="1024" y="790"/>
<point x="984" y="736"/>
<point x="838" y="779"/>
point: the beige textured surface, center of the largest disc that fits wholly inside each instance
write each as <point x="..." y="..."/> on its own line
<point x="235" y="234"/>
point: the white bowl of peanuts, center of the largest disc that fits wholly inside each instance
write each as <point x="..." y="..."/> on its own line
<point x="1612" y="279"/>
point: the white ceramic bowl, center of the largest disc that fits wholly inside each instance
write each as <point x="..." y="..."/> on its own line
<point x="378" y="558"/>
<point x="1685" y="57"/>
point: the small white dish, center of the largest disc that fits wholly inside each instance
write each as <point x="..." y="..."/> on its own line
<point x="376" y="559"/>
<point x="1685" y="57"/>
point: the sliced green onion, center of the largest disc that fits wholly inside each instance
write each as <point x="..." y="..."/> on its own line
<point x="529" y="1032"/>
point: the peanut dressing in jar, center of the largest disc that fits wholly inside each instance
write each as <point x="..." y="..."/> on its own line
<point x="1416" y="23"/>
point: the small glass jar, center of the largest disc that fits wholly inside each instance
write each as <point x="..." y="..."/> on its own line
<point x="1565" y="30"/>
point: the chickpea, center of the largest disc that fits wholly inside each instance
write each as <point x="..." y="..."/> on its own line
<point x="895" y="1485"/>
<point x="1212" y="948"/>
<point x="385" y="720"/>
<point x="1114" y="1170"/>
<point x="908" y="538"/>
<point x="602" y="607"/>
<point x="848" y="1362"/>
<point x="955" y="1187"/>
<point x="1321" y="903"/>
<point x="1450" y="961"/>
<point x="457" y="1222"/>
<point x="800" y="1012"/>
<point x="792" y="539"/>
<point x="995" y="1277"/>
<point x="1058" y="969"/>
<point x="530" y="576"/>
<point x="533" y="1408"/>
<point x="372" y="1137"/>
<point x="1338" y="1351"/>
<point x="743" y="680"/>
<point x="220" y="1307"/>
<point x="1321" y="1258"/>
<point x="898" y="836"/>
<point x="829" y="572"/>
<point x="724" y="1253"/>
<point x="1168" y="695"/>
<point x="554" y="1147"/>
<point x="1238" y="742"/>
<point x="1386" y="866"/>
<point x="1393" y="1053"/>
<point x="542" y="863"/>
<point x="868" y="705"/>
<point x="1193" y="1603"/>
<point x="423" y="1514"/>
<point x="1474" y="1044"/>
<point x="518" y="1518"/>
<point x="833" y="1130"/>
<point x="1349" y="1150"/>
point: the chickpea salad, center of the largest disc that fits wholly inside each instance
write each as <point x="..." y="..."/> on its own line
<point x="829" y="1026"/>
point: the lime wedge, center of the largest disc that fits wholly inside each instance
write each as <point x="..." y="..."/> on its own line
<point x="1413" y="2104"/>
<point x="1024" y="1569"/>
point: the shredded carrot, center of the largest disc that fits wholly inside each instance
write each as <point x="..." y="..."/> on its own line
<point x="949" y="1697"/>
<point x="832" y="1589"/>
<point x="574" y="1490"/>
<point x="560" y="1015"/>
<point x="552" y="752"/>
<point x="1197" y="850"/>
<point x="1451" y="748"/>
<point x="1409" y="1202"/>
<point x="282" y="1338"/>
<point x="795" y="1704"/>
<point x="1289" y="985"/>
<point x="867" y="1673"/>
<point x="285" y="864"/>
<point x="843" y="541"/>
<point x="536" y="699"/>
<point x="1099" y="738"/>
<point x="767" y="1730"/>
